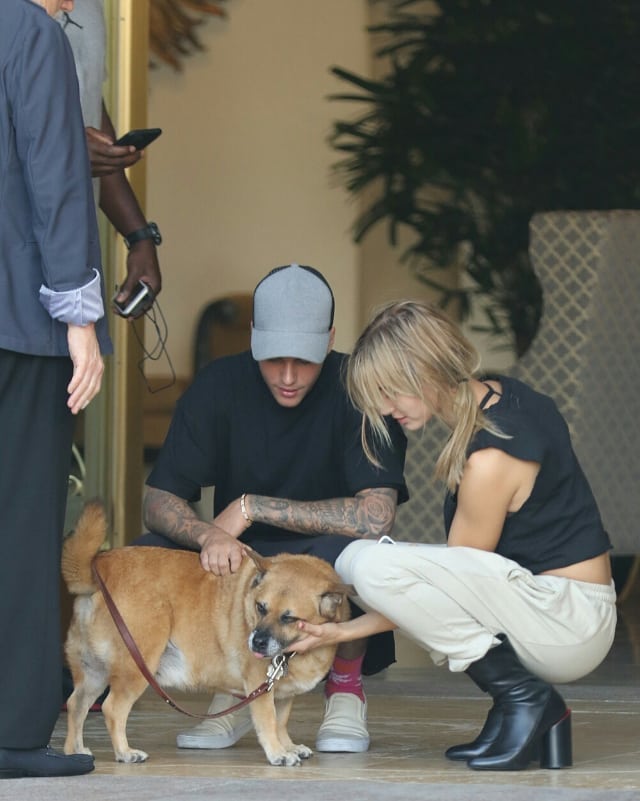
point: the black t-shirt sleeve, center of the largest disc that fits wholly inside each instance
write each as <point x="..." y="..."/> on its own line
<point x="362" y="474"/>
<point x="187" y="460"/>
<point x="523" y="440"/>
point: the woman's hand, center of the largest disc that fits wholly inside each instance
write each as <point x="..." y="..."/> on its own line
<point x="329" y="633"/>
<point x="317" y="636"/>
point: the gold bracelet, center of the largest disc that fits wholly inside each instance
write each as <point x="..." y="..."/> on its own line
<point x="243" y="508"/>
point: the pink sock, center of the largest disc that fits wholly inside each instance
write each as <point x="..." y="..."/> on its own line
<point x="345" y="677"/>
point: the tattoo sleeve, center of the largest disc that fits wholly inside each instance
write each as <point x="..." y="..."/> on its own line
<point x="371" y="513"/>
<point x="171" y="516"/>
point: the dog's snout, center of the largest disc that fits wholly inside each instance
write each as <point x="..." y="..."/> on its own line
<point x="262" y="641"/>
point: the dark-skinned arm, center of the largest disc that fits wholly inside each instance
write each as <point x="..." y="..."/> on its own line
<point x="120" y="205"/>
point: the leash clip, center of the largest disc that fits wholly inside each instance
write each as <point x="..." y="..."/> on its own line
<point x="277" y="669"/>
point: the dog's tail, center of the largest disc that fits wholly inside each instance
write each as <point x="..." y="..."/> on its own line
<point x="81" y="546"/>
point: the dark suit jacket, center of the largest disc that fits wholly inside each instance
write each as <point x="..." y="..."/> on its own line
<point x="48" y="228"/>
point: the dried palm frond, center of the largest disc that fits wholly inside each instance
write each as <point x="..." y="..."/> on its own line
<point x="172" y="30"/>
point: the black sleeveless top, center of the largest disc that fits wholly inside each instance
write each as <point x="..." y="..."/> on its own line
<point x="559" y="523"/>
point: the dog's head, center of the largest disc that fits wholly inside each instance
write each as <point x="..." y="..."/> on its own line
<point x="288" y="588"/>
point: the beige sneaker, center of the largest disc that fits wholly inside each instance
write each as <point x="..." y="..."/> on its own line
<point x="344" y="727"/>
<point x="221" y="732"/>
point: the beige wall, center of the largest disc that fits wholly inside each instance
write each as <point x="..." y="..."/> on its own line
<point x="239" y="182"/>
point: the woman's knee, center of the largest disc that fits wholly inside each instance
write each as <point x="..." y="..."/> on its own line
<point x="367" y="568"/>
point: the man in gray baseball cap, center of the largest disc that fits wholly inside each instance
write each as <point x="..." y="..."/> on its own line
<point x="292" y="314"/>
<point x="273" y="430"/>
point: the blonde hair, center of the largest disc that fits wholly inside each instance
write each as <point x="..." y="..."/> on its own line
<point x="407" y="347"/>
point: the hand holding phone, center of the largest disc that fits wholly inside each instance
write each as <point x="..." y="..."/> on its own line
<point x="139" y="138"/>
<point x="138" y="301"/>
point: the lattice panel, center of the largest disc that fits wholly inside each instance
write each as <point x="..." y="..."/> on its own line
<point x="587" y="351"/>
<point x="586" y="355"/>
<point x="421" y="520"/>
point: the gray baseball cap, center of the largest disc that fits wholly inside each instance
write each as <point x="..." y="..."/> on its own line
<point x="292" y="315"/>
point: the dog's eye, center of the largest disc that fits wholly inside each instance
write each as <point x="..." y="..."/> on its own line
<point x="287" y="619"/>
<point x="261" y="608"/>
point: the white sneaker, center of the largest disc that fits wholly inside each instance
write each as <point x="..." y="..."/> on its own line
<point x="219" y="732"/>
<point x="344" y="727"/>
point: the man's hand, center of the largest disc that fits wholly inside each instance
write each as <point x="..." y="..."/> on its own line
<point x="173" y="517"/>
<point x="232" y="520"/>
<point x="88" y="366"/>
<point x="220" y="553"/>
<point x="142" y="265"/>
<point x="106" y="157"/>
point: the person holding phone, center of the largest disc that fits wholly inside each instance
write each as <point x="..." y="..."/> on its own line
<point x="521" y="596"/>
<point x="52" y="336"/>
<point x="85" y="29"/>
<point x="84" y="26"/>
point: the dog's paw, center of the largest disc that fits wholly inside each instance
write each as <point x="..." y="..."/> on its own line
<point x="303" y="751"/>
<point x="288" y="759"/>
<point x="132" y="755"/>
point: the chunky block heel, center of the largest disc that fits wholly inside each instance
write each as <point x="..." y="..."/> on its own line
<point x="536" y="724"/>
<point x="556" y="751"/>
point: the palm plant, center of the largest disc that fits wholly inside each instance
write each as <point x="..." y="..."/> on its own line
<point x="493" y="110"/>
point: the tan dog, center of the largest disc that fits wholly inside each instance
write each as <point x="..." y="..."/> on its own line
<point x="196" y="631"/>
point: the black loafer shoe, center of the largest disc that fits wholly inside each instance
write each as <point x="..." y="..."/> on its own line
<point x="17" y="763"/>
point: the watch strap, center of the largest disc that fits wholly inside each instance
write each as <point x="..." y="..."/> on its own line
<point x="150" y="231"/>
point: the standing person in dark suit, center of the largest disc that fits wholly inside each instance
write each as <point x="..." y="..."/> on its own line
<point x="52" y="335"/>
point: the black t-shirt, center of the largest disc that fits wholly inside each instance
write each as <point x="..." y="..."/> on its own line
<point x="228" y="431"/>
<point x="559" y="523"/>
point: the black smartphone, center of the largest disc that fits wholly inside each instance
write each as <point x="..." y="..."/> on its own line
<point x="140" y="137"/>
<point x="136" y="302"/>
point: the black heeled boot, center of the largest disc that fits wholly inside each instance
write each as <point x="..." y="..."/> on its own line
<point x="488" y="733"/>
<point x="534" y="722"/>
<point x="483" y="741"/>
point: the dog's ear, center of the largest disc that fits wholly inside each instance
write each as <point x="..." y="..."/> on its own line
<point x="332" y="600"/>
<point x="260" y="563"/>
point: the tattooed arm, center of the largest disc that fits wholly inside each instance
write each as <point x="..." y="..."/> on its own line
<point x="370" y="514"/>
<point x="167" y="514"/>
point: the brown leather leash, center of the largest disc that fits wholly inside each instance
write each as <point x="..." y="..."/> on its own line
<point x="277" y="669"/>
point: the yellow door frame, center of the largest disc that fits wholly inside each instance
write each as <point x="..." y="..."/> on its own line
<point x="113" y="424"/>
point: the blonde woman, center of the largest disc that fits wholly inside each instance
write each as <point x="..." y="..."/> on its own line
<point x="522" y="594"/>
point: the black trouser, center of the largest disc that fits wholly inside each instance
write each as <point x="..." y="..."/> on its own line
<point x="36" y="431"/>
<point x="380" y="648"/>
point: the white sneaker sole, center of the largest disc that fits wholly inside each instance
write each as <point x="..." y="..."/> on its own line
<point x="343" y="745"/>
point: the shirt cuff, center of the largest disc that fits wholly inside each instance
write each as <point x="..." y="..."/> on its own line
<point x="75" y="306"/>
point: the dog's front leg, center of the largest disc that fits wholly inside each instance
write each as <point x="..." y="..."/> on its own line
<point x="263" y="713"/>
<point x="283" y="710"/>
<point x="116" y="708"/>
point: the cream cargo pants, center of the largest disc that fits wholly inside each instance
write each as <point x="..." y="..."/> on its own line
<point x="454" y="601"/>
